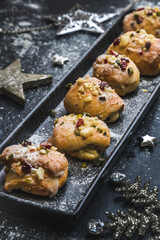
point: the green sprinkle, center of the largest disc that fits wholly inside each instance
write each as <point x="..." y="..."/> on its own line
<point x="104" y="133"/>
<point x="56" y="121"/>
<point x="118" y="62"/>
<point x="83" y="165"/>
<point x="69" y="85"/>
<point x="158" y="14"/>
<point x="131" y="35"/>
<point x="137" y="31"/>
<point x="130" y="71"/>
<point x="86" y="114"/>
<point x="136" y="15"/>
<point x="61" y="123"/>
<point x="10" y="157"/>
<point x="77" y="132"/>
<point x="79" y="115"/>
<point x="92" y="125"/>
<point x="99" y="130"/>
<point x="52" y="113"/>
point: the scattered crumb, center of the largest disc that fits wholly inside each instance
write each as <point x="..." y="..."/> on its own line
<point x="144" y="90"/>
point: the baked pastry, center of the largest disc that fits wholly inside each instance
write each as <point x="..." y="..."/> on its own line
<point x="143" y="18"/>
<point x="142" y="48"/>
<point x="38" y="170"/>
<point x="118" y="71"/>
<point x="80" y="136"/>
<point x="94" y="97"/>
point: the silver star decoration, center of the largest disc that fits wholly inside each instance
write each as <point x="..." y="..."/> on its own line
<point x="118" y="177"/>
<point x="148" y="141"/>
<point x="78" y="19"/>
<point x="59" y="60"/>
<point x="13" y="81"/>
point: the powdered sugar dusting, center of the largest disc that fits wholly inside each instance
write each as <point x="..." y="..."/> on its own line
<point x="79" y="180"/>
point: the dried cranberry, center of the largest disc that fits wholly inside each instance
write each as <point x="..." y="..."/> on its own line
<point x="150" y="12"/>
<point x="123" y="66"/>
<point x="133" y="25"/>
<point x="80" y="122"/>
<point x="32" y="150"/>
<point x="105" y="60"/>
<point x="141" y="53"/>
<point x="103" y="85"/>
<point x="148" y="44"/>
<point x="139" y="20"/>
<point x="116" y="41"/>
<point x="26" y="143"/>
<point x="140" y="9"/>
<point x="157" y="32"/>
<point x="124" y="63"/>
<point x="26" y="167"/>
<point x="46" y="145"/>
<point x="102" y="98"/>
<point x="114" y="53"/>
<point x="125" y="59"/>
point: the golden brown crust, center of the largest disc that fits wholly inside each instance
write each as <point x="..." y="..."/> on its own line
<point x="142" y="48"/>
<point x="118" y="71"/>
<point x="40" y="171"/>
<point x="85" y="96"/>
<point x="85" y="141"/>
<point x="147" y="19"/>
<point x="46" y="187"/>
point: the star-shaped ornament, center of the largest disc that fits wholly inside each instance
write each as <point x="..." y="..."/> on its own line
<point x="13" y="81"/>
<point x="78" y="19"/>
<point x="147" y="141"/>
<point x="59" y="60"/>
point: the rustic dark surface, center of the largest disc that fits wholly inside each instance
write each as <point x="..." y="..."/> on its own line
<point x="37" y="50"/>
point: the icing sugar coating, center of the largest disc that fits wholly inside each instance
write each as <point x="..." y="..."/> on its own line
<point x="81" y="136"/>
<point x="143" y="18"/>
<point x="142" y="48"/>
<point x="94" y="97"/>
<point x="37" y="170"/>
<point x="118" y="71"/>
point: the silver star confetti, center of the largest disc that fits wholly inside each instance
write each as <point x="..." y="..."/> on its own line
<point x="78" y="19"/>
<point x="59" y="60"/>
<point x="95" y="226"/>
<point x="118" y="177"/>
<point x="147" y="141"/>
<point x="13" y="81"/>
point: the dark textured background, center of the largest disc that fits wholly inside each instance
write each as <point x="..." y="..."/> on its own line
<point x="36" y="51"/>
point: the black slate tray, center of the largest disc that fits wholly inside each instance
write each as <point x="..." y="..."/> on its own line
<point x="71" y="200"/>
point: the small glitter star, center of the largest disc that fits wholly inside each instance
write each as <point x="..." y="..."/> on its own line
<point x="59" y="60"/>
<point x="147" y="141"/>
<point x="13" y="81"/>
<point x="118" y="177"/>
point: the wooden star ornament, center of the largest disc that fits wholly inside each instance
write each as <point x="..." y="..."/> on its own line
<point x="13" y="81"/>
